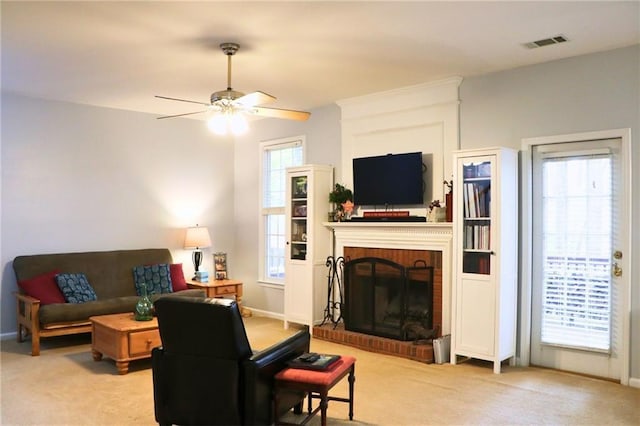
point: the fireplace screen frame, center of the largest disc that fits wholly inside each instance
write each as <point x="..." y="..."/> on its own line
<point x="391" y="291"/>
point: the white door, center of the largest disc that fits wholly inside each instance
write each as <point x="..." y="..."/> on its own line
<point x="580" y="267"/>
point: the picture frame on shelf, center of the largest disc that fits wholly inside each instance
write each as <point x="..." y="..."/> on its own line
<point x="300" y="187"/>
<point x="220" y="265"/>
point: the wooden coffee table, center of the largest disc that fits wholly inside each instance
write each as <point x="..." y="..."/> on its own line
<point x="123" y="339"/>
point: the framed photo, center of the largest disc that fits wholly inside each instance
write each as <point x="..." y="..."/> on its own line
<point x="300" y="210"/>
<point x="299" y="186"/>
<point x="220" y="265"/>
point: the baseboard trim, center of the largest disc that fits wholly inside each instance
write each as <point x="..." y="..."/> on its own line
<point x="261" y="313"/>
<point x="7" y="336"/>
<point x="634" y="382"/>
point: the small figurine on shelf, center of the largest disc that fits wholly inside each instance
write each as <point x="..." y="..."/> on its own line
<point x="347" y="208"/>
<point x="436" y="213"/>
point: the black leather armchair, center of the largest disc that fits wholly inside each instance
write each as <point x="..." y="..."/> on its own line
<point x="205" y="371"/>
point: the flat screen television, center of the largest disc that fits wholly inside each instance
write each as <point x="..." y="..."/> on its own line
<point x="392" y="179"/>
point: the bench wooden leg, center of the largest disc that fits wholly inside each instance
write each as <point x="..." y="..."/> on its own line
<point x="297" y="409"/>
<point x="324" y="403"/>
<point x="352" y="379"/>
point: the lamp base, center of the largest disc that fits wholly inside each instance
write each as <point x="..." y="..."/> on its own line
<point x="197" y="259"/>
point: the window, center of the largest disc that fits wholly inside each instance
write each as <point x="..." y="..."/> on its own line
<point x="277" y="155"/>
<point x="576" y="249"/>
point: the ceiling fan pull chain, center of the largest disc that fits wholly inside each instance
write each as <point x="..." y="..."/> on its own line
<point x="229" y="71"/>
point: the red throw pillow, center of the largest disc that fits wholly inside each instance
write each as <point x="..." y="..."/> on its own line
<point x="44" y="288"/>
<point x="178" y="283"/>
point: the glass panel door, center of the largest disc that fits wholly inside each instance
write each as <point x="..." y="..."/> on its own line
<point x="298" y="228"/>
<point x="476" y="187"/>
<point x="578" y="296"/>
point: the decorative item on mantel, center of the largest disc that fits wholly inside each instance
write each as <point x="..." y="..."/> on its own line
<point x="448" y="200"/>
<point x="342" y="199"/>
<point x="436" y="212"/>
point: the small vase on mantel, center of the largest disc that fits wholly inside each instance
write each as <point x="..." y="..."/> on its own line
<point x="144" y="307"/>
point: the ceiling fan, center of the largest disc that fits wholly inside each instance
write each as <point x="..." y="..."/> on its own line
<point x="228" y="105"/>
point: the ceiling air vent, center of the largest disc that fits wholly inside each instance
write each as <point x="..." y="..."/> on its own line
<point x="546" y="42"/>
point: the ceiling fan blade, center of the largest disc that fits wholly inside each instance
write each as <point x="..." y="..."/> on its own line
<point x="281" y="113"/>
<point x="180" y="115"/>
<point x="183" y="100"/>
<point x="255" y="98"/>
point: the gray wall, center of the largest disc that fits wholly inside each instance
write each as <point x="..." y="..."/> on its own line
<point x="80" y="178"/>
<point x="586" y="93"/>
<point x="322" y="132"/>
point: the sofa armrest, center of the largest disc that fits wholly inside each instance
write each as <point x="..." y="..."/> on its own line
<point x="27" y="315"/>
<point x="283" y="351"/>
<point x="259" y="371"/>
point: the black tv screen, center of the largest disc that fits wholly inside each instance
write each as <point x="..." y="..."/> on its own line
<point x="391" y="179"/>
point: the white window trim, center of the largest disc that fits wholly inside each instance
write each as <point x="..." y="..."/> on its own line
<point x="264" y="145"/>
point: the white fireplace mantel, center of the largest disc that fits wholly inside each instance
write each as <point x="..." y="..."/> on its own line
<point x="402" y="235"/>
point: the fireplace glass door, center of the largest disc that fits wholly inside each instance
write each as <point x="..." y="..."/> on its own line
<point x="385" y="299"/>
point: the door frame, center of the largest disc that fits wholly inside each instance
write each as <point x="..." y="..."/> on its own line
<point x="526" y="236"/>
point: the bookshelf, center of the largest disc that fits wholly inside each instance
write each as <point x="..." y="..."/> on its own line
<point x="308" y="243"/>
<point x="485" y="248"/>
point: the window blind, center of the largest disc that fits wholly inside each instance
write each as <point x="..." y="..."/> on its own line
<point x="576" y="245"/>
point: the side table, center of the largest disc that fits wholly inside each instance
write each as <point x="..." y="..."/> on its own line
<point x="221" y="288"/>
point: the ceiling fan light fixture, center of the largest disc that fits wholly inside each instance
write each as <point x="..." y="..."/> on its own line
<point x="217" y="124"/>
<point x="221" y="123"/>
<point x="238" y="124"/>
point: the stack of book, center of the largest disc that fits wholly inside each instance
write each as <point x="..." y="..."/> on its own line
<point x="313" y="361"/>
<point x="202" y="276"/>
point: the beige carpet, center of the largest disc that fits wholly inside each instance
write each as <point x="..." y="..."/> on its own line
<point x="65" y="386"/>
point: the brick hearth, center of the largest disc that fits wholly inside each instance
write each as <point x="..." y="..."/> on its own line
<point x="420" y="352"/>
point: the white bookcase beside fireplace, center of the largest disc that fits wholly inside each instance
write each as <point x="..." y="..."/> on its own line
<point x="485" y="240"/>
<point x="308" y="243"/>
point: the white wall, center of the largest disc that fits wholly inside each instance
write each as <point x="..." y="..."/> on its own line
<point x="586" y="93"/>
<point x="422" y="118"/>
<point x="322" y="132"/>
<point x="81" y="178"/>
<point x="84" y="178"/>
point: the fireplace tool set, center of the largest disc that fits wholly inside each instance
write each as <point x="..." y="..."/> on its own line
<point x="335" y="295"/>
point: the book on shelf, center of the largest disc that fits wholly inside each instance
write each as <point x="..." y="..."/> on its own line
<point x="477" y="200"/>
<point x="477" y="237"/>
<point x="386" y="213"/>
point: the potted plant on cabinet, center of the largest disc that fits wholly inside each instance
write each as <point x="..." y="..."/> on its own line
<point x="342" y="199"/>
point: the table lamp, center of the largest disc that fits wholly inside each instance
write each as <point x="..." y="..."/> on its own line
<point x="196" y="238"/>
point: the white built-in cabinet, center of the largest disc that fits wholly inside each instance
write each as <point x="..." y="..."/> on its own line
<point x="485" y="239"/>
<point x="308" y="243"/>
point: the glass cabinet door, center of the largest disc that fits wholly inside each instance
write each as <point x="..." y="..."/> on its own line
<point x="476" y="196"/>
<point x="298" y="224"/>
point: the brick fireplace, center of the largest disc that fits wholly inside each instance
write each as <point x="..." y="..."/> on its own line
<point x="402" y="243"/>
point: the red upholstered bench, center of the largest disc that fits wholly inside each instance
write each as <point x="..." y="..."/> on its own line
<point x="317" y="384"/>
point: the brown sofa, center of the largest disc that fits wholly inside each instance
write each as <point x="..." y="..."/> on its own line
<point x="110" y="273"/>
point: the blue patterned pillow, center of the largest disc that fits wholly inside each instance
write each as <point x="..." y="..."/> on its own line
<point x="76" y="288"/>
<point x="157" y="278"/>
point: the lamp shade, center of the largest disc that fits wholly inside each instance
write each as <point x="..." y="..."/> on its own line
<point x="197" y="237"/>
